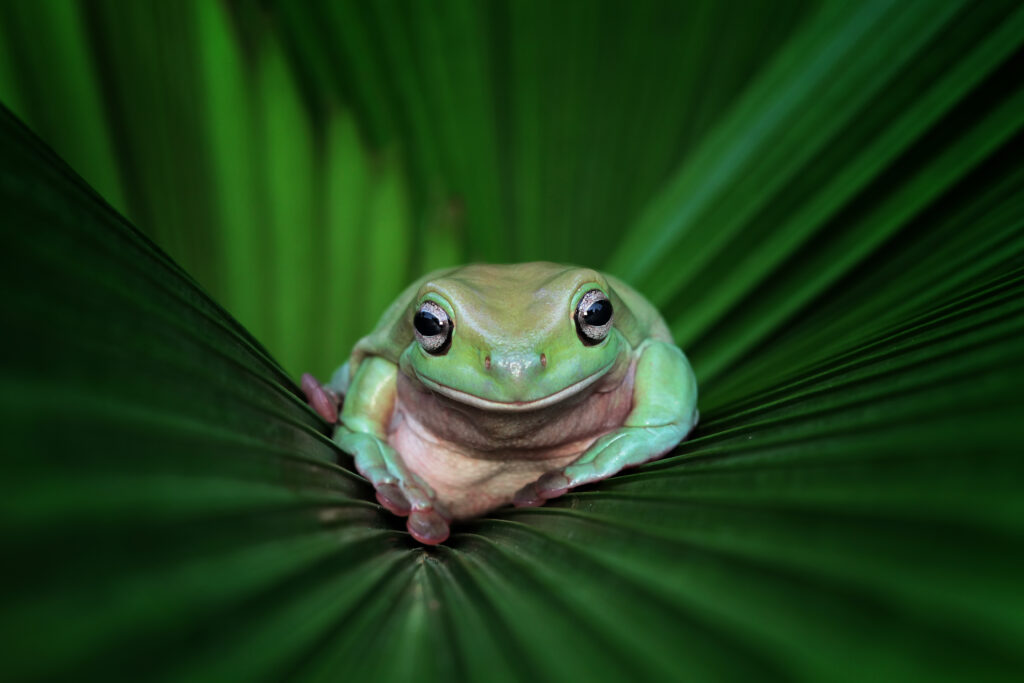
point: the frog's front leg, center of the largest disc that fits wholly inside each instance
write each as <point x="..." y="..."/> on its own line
<point x="369" y="404"/>
<point x="664" y="411"/>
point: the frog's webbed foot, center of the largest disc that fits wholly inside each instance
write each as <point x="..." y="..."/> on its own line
<point x="323" y="399"/>
<point x="625" y="447"/>
<point x="399" y="490"/>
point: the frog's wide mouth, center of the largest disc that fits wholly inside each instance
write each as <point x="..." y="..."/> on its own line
<point x="514" y="406"/>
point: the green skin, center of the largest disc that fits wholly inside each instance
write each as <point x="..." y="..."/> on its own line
<point x="518" y="408"/>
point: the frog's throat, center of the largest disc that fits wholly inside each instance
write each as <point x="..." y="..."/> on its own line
<point x="515" y="406"/>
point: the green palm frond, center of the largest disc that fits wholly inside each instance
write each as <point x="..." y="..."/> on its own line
<point x="825" y="200"/>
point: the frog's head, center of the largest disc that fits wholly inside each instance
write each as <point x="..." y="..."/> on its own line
<point x="514" y="337"/>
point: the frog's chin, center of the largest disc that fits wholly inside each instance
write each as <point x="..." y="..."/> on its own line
<point x="514" y="406"/>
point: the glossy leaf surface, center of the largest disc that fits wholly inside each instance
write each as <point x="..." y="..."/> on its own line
<point x="830" y="214"/>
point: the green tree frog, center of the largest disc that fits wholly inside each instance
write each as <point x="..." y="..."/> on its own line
<point x="485" y="385"/>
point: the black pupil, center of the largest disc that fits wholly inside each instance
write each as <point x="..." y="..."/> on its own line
<point x="427" y="324"/>
<point x="598" y="313"/>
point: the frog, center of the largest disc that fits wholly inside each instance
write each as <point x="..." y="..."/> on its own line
<point x="484" y="385"/>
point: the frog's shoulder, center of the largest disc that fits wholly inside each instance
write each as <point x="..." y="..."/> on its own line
<point x="635" y="317"/>
<point x="394" y="332"/>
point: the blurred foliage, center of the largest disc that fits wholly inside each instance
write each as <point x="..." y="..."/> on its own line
<point x="825" y="199"/>
<point x="290" y="155"/>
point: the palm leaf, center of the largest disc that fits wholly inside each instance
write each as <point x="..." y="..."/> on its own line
<point x="829" y="213"/>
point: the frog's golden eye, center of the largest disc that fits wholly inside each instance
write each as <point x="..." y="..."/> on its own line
<point x="593" y="317"/>
<point x="433" y="328"/>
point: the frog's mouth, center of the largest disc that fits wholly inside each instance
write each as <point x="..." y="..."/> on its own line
<point x="514" y="406"/>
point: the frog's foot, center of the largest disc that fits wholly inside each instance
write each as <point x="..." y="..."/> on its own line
<point x="324" y="401"/>
<point x="399" y="490"/>
<point x="625" y="447"/>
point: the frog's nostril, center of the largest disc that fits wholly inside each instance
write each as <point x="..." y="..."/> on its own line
<point x="515" y="365"/>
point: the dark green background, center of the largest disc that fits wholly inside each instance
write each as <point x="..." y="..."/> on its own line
<point x="825" y="200"/>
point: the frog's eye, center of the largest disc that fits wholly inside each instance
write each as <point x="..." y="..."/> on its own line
<point x="433" y="328"/>
<point x="593" y="317"/>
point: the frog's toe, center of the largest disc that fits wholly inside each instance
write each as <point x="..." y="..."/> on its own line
<point x="406" y="495"/>
<point x="396" y="498"/>
<point x="527" y="497"/>
<point x="550" y="485"/>
<point x="324" y="401"/>
<point x="429" y="527"/>
<point x="399" y="490"/>
<point x="392" y="498"/>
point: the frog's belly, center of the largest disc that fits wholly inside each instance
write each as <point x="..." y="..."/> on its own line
<point x="477" y="461"/>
